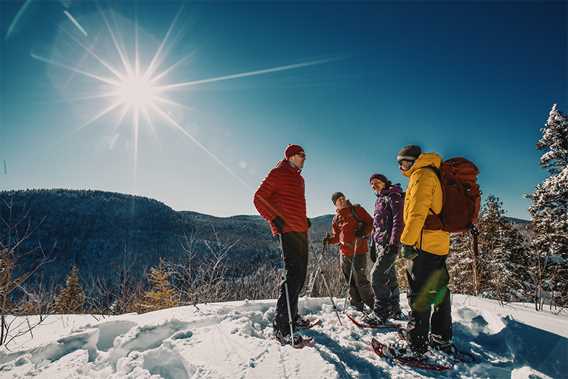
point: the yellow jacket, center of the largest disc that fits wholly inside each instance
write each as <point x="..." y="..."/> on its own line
<point x="424" y="193"/>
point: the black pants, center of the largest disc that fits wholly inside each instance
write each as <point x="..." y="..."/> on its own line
<point x="360" y="291"/>
<point x="295" y="247"/>
<point x="428" y="286"/>
<point x="385" y="284"/>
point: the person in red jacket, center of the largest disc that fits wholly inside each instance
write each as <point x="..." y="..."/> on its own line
<point x="351" y="228"/>
<point x="280" y="199"/>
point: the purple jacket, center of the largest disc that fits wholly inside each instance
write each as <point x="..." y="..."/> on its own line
<point x="387" y="218"/>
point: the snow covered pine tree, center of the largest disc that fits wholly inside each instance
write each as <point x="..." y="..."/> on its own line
<point x="503" y="259"/>
<point x="549" y="211"/>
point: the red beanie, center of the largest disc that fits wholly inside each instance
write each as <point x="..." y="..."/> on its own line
<point x="292" y="150"/>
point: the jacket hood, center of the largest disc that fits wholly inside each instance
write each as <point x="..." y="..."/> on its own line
<point x="425" y="160"/>
<point x="395" y="188"/>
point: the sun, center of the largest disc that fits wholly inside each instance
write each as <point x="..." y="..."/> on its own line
<point x="137" y="92"/>
<point x="142" y="88"/>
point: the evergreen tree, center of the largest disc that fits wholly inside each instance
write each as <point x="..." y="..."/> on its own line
<point x="509" y="266"/>
<point x="460" y="264"/>
<point x="71" y="299"/>
<point x="491" y="227"/>
<point x="502" y="262"/>
<point x="549" y="211"/>
<point x="161" y="294"/>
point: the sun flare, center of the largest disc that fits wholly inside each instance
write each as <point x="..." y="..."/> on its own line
<point x="140" y="88"/>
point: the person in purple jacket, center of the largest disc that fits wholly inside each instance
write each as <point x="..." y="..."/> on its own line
<point x="387" y="228"/>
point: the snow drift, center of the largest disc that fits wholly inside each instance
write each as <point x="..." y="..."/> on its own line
<point x="233" y="340"/>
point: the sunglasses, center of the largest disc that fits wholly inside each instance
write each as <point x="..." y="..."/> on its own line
<point x="303" y="155"/>
<point x="400" y="163"/>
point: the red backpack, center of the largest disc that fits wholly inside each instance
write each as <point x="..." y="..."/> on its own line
<point x="462" y="197"/>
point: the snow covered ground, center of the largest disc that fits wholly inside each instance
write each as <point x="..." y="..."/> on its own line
<point x="233" y="340"/>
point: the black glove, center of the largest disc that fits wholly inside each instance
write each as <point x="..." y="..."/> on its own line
<point x="360" y="231"/>
<point x="408" y="252"/>
<point x="309" y="222"/>
<point x="278" y="223"/>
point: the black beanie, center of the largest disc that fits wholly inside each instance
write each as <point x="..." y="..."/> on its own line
<point x="336" y="196"/>
<point x="409" y="153"/>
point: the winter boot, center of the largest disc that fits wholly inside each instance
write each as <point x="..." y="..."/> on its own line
<point x="440" y="344"/>
<point x="398" y="315"/>
<point x="373" y="319"/>
<point x="404" y="336"/>
<point x="285" y="339"/>
<point x="301" y="323"/>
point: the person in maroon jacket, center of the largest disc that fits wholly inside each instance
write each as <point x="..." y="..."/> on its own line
<point x="280" y="199"/>
<point x="351" y="228"/>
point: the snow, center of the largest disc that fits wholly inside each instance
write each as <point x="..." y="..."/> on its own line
<point x="233" y="340"/>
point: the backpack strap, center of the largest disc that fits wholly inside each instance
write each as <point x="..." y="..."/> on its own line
<point x="357" y="218"/>
<point x="434" y="221"/>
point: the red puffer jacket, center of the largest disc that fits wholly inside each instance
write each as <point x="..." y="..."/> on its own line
<point x="282" y="194"/>
<point x="344" y="226"/>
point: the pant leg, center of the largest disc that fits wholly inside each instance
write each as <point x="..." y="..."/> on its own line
<point x="300" y="278"/>
<point x="380" y="278"/>
<point x="392" y="284"/>
<point x="441" y="321"/>
<point x="362" y="284"/>
<point x="346" y="262"/>
<point x="423" y="274"/>
<point x="295" y="249"/>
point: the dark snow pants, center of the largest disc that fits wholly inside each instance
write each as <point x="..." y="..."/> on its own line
<point x="428" y="286"/>
<point x="385" y="284"/>
<point x="295" y="248"/>
<point x="360" y="291"/>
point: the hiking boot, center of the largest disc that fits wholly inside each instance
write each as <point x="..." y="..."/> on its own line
<point x="404" y="335"/>
<point x="373" y="319"/>
<point x="301" y="322"/>
<point x="398" y="315"/>
<point x="440" y="344"/>
<point x="285" y="339"/>
<point x="405" y="351"/>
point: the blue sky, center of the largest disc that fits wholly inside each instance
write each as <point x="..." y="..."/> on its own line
<point x="461" y="78"/>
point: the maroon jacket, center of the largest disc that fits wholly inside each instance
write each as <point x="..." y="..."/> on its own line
<point x="344" y="226"/>
<point x="282" y="193"/>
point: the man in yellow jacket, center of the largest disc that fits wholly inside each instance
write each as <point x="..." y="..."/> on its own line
<point x="426" y="252"/>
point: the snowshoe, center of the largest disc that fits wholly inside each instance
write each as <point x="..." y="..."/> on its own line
<point x="379" y="325"/>
<point x="298" y="343"/>
<point x="405" y="356"/>
<point x="450" y="350"/>
<point x="304" y="323"/>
